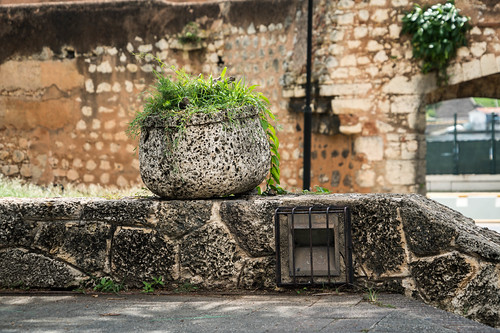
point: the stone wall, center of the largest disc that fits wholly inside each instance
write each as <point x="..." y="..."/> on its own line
<point x="366" y="78"/>
<point x="69" y="83"/>
<point x="402" y="243"/>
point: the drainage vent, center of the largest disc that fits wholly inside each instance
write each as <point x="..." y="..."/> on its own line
<point x="313" y="245"/>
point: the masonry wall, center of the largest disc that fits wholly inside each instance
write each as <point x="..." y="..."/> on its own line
<point x="400" y="243"/>
<point x="69" y="84"/>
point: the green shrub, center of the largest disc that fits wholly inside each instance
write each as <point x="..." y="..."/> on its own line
<point x="438" y="31"/>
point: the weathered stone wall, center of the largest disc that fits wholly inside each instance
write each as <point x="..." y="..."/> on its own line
<point x="367" y="79"/>
<point x="69" y="83"/>
<point x="403" y="243"/>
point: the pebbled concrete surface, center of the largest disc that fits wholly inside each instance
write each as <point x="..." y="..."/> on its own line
<point x="226" y="313"/>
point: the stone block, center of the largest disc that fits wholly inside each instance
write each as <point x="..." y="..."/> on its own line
<point x="400" y="172"/>
<point x="84" y="245"/>
<point x="345" y="19"/>
<point x="376" y="237"/>
<point x="121" y="212"/>
<point x="374" y="46"/>
<point x="360" y="32"/>
<point x="488" y="64"/>
<point x="484" y="242"/>
<point x="395" y="31"/>
<point x="14" y="231"/>
<point x="258" y="273"/>
<point x="406" y="104"/>
<point x="378" y="2"/>
<point x="351" y="129"/>
<point x="251" y="222"/>
<point x="471" y="69"/>
<point x="140" y="254"/>
<point x="381" y="57"/>
<point x="478" y="49"/>
<point x="209" y="256"/>
<point x="348" y="61"/>
<point x="371" y="146"/>
<point x="344" y="4"/>
<point x="480" y="300"/>
<point x="418" y="84"/>
<point x="380" y="15"/>
<point x="409" y="150"/>
<point x="89" y="85"/>
<point x="353" y="89"/>
<point x="66" y="209"/>
<point x="18" y="156"/>
<point x="455" y="73"/>
<point x="20" y="268"/>
<point x="439" y="279"/>
<point x="10" y="170"/>
<point x="365" y="178"/>
<point x="351" y="105"/>
<point x="428" y="226"/>
<point x="176" y="218"/>
<point x="384" y="127"/>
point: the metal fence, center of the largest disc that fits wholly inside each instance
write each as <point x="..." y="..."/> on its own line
<point x="464" y="152"/>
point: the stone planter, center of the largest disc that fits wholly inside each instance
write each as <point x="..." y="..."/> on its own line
<point x="213" y="156"/>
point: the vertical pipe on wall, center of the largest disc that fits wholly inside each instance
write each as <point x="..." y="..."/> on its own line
<point x="455" y="147"/>
<point x="493" y="157"/>
<point x="306" y="170"/>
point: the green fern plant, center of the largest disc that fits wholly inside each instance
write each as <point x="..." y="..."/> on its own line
<point x="437" y="32"/>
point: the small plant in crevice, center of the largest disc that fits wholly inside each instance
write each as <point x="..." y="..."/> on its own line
<point x="182" y="95"/>
<point x="317" y="190"/>
<point x="437" y="32"/>
<point x="371" y="295"/>
<point x="299" y="291"/>
<point x="190" y="34"/>
<point x="186" y="287"/>
<point x="107" y="285"/>
<point x="149" y="287"/>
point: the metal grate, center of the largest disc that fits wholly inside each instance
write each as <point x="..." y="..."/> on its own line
<point x="313" y="245"/>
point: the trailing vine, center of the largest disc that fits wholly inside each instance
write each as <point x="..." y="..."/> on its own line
<point x="184" y="95"/>
<point x="438" y="31"/>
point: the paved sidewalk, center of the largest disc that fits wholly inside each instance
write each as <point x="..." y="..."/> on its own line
<point x="218" y="313"/>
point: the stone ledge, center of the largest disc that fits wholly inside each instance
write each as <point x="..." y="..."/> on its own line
<point x="403" y="243"/>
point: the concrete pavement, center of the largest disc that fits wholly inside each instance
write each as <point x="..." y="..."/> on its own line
<point x="226" y="313"/>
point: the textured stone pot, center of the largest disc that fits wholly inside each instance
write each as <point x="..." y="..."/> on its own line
<point x="213" y="156"/>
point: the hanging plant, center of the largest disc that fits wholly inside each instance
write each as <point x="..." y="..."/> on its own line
<point x="438" y="31"/>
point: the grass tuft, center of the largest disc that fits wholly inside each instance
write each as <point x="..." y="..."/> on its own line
<point x="18" y="188"/>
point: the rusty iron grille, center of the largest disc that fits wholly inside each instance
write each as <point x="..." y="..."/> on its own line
<point x="313" y="245"/>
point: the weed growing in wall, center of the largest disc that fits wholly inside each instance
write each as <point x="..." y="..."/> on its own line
<point x="437" y="32"/>
<point x="182" y="95"/>
<point x="190" y="34"/>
